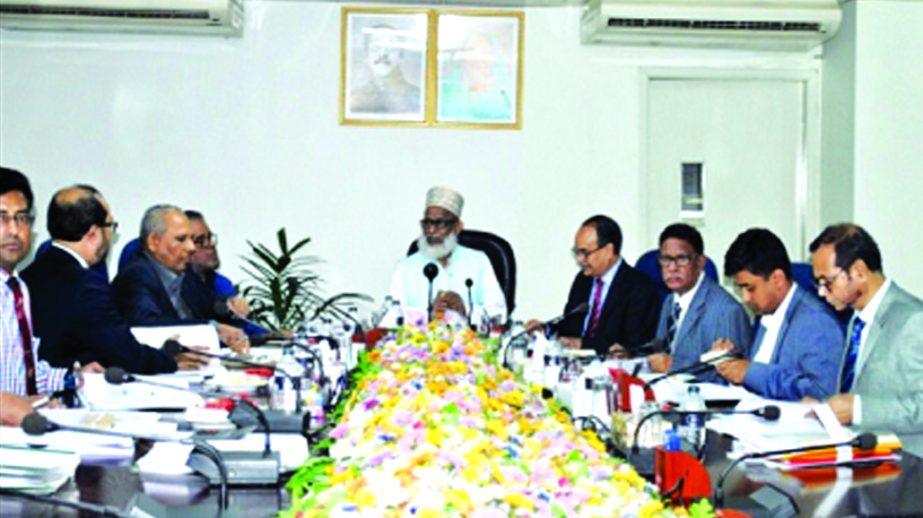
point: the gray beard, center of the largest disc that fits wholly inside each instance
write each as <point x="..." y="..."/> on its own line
<point x="439" y="251"/>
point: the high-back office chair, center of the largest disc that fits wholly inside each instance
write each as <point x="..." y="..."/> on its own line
<point x="649" y="266"/>
<point x="130" y="249"/>
<point x="803" y="275"/>
<point x="501" y="257"/>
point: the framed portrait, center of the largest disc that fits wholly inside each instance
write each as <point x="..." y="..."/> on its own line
<point x="479" y="69"/>
<point x="383" y="65"/>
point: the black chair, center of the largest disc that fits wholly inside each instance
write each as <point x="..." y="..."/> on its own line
<point x="501" y="257"/>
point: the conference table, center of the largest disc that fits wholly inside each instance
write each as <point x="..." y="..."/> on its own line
<point x="895" y="489"/>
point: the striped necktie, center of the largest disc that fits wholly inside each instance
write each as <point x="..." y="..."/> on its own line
<point x="597" y="309"/>
<point x="672" y="322"/>
<point x="25" y="334"/>
<point x="849" y="364"/>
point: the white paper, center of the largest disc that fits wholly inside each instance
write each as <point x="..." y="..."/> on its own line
<point x="203" y="335"/>
<point x="101" y="395"/>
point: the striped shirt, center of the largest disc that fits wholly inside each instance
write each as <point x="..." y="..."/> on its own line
<point x="12" y="365"/>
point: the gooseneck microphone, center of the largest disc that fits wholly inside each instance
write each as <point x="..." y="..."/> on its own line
<point x="172" y="347"/>
<point x="430" y="271"/>
<point x="865" y="441"/>
<point x="695" y="368"/>
<point x="118" y="376"/>
<point x="768" y="412"/>
<point x="468" y="284"/>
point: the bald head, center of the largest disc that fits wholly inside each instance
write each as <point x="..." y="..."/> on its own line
<point x="73" y="211"/>
<point x="79" y="217"/>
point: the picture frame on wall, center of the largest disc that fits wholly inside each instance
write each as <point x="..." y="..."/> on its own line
<point x="479" y="69"/>
<point x="384" y="65"/>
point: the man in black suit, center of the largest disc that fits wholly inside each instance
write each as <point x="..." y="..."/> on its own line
<point x="155" y="286"/>
<point x="72" y="308"/>
<point x="622" y="303"/>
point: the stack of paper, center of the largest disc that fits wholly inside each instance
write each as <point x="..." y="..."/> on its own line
<point x="36" y="470"/>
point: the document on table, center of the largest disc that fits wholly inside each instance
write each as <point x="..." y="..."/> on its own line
<point x="203" y="335"/>
<point x="98" y="394"/>
<point x="35" y="470"/>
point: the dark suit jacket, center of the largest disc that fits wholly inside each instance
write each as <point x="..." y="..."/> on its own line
<point x="73" y="314"/>
<point x="142" y="299"/>
<point x="629" y="315"/>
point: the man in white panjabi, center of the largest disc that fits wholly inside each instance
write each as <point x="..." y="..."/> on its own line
<point x="455" y="265"/>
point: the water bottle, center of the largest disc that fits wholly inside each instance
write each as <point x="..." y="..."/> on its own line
<point x="692" y="426"/>
<point x="286" y="382"/>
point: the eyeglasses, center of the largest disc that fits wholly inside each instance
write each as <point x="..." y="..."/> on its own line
<point x="21" y="218"/>
<point x="441" y="224"/>
<point x="824" y="281"/>
<point x="681" y="261"/>
<point x="114" y="225"/>
<point x="205" y="240"/>
<point x="585" y="254"/>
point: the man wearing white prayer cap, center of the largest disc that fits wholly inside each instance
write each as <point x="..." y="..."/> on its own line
<point x="455" y="265"/>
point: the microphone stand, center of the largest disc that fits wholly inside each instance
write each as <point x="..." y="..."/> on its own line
<point x="695" y="369"/>
<point x="468" y="284"/>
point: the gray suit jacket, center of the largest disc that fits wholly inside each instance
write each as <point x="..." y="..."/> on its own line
<point x="713" y="314"/>
<point x="889" y="370"/>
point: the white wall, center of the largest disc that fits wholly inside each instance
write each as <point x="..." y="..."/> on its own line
<point x="246" y="130"/>
<point x="875" y="125"/>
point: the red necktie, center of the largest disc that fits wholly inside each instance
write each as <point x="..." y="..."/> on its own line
<point x="597" y="307"/>
<point x="26" y="334"/>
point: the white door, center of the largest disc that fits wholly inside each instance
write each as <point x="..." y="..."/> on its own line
<point x="746" y="140"/>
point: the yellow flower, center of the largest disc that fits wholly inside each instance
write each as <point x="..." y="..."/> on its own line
<point x="519" y="500"/>
<point x="650" y="508"/>
<point x="459" y="499"/>
<point x="364" y="498"/>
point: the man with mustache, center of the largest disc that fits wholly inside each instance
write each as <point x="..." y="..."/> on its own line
<point x="438" y="244"/>
<point x="387" y="91"/>
<point x="72" y="307"/>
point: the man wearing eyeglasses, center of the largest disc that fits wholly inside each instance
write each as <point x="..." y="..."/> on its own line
<point x="204" y="263"/>
<point x="880" y="379"/>
<point x="438" y="244"/>
<point x="21" y="371"/>
<point x="698" y="311"/>
<point x="72" y="307"/>
<point x="622" y="303"/>
<point x="798" y="341"/>
<point x="155" y="287"/>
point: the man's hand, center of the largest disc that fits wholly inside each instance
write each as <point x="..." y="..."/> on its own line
<point x="617" y="351"/>
<point x="660" y="362"/>
<point x="733" y="370"/>
<point x="535" y="325"/>
<point x="569" y="342"/>
<point x="239" y="307"/>
<point x="722" y="344"/>
<point x="841" y="404"/>
<point x="190" y="361"/>
<point x="13" y="408"/>
<point x="234" y="338"/>
<point x="449" y="300"/>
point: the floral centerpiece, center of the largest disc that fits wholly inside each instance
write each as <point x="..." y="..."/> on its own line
<point x="436" y="429"/>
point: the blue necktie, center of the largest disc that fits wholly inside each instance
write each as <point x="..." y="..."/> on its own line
<point x="849" y="364"/>
<point x="671" y="324"/>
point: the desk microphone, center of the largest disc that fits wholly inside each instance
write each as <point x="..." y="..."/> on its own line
<point x="695" y="368"/>
<point x="865" y="441"/>
<point x="172" y="347"/>
<point x="37" y="424"/>
<point x="118" y="376"/>
<point x="655" y="346"/>
<point x="468" y="284"/>
<point x="513" y="341"/>
<point x="430" y="271"/>
<point x="644" y="462"/>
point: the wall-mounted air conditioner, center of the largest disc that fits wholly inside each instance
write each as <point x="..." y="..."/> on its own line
<point x="749" y="24"/>
<point x="220" y="17"/>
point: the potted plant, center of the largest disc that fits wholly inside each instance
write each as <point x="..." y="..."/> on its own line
<point x="283" y="289"/>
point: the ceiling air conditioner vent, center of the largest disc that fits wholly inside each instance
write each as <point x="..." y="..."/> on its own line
<point x="789" y="25"/>
<point x="718" y="25"/>
<point x="222" y="17"/>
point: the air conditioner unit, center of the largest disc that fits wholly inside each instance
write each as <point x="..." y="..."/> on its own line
<point x="749" y="24"/>
<point x="221" y="17"/>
